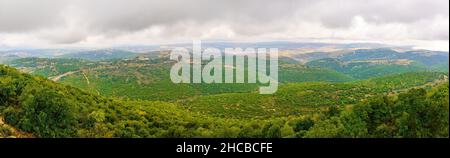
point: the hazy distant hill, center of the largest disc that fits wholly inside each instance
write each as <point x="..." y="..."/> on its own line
<point x="7" y="58"/>
<point x="103" y="54"/>
<point x="367" y="63"/>
<point x="428" y="58"/>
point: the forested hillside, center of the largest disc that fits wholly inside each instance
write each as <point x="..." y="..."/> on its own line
<point x="308" y="97"/>
<point x="416" y="105"/>
<point x="149" y="78"/>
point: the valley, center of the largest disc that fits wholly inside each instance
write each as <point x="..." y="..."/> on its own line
<point x="354" y="93"/>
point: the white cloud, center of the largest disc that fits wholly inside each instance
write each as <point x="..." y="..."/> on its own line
<point x="48" y="23"/>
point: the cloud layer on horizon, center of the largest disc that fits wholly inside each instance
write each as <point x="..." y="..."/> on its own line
<point x="110" y="22"/>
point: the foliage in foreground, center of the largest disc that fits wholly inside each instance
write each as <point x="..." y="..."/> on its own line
<point x="47" y="109"/>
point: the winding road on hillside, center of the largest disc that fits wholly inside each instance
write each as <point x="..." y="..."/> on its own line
<point x="57" y="78"/>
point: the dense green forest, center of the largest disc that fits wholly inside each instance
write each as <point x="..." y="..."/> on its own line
<point x="405" y="105"/>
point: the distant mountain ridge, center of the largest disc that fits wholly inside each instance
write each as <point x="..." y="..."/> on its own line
<point x="365" y="63"/>
<point x="103" y="54"/>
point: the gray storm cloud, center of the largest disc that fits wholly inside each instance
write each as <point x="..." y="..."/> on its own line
<point x="73" y="21"/>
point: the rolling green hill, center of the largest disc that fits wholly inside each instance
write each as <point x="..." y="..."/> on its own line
<point x="360" y="94"/>
<point x="367" y="63"/>
<point x="368" y="69"/>
<point x="309" y="97"/>
<point x="47" y="109"/>
<point x="150" y="79"/>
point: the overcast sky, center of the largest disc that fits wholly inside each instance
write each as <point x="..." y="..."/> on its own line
<point x="99" y="23"/>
